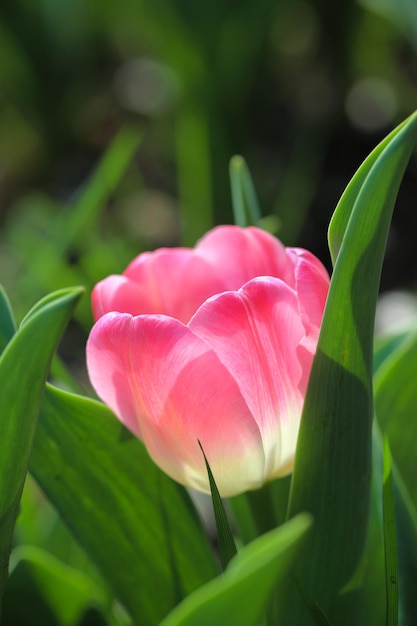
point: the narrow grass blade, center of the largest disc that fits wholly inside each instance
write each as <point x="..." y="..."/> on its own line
<point x="246" y="209"/>
<point x="227" y="546"/>
<point x="44" y="259"/>
<point x="194" y="173"/>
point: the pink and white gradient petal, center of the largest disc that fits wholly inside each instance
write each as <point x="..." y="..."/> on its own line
<point x="182" y="393"/>
<point x="312" y="285"/>
<point x="256" y="333"/>
<point x="168" y="281"/>
<point x="120" y="294"/>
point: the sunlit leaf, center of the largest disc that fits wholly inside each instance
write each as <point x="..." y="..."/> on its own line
<point x="246" y="209"/>
<point x="241" y="596"/>
<point x="333" y="462"/>
<point x="346" y="204"/>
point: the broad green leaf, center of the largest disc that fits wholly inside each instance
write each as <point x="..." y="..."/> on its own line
<point x="258" y="511"/>
<point x="406" y="538"/>
<point x="390" y="539"/>
<point x="241" y="596"/>
<point x="40" y="531"/>
<point x="386" y="344"/>
<point x="7" y="325"/>
<point x="406" y="522"/>
<point x="396" y="408"/>
<point x="246" y="209"/>
<point x="23" y="600"/>
<point x="345" y="206"/>
<point x="68" y="591"/>
<point x="317" y="615"/>
<point x="332" y="470"/>
<point x="243" y="518"/>
<point x="24" y="366"/>
<point x="136" y="524"/>
<point x="368" y="580"/>
<point x="226" y="542"/>
<point x="396" y="413"/>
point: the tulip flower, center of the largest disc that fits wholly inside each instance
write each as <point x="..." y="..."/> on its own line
<point x="212" y="344"/>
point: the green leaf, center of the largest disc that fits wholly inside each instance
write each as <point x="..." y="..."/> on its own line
<point x="396" y="409"/>
<point x="136" y="524"/>
<point x="390" y="539"/>
<point x="227" y="546"/>
<point x="319" y="618"/>
<point x="386" y="344"/>
<point x="7" y="325"/>
<point x="341" y="216"/>
<point x="396" y="413"/>
<point x="24" y="366"/>
<point x="194" y="175"/>
<point x="241" y="596"/>
<point x="332" y="471"/>
<point x="406" y="522"/>
<point x="67" y="591"/>
<point x="15" y="612"/>
<point x="368" y="580"/>
<point x="258" y="511"/>
<point x="246" y="209"/>
<point x="40" y="531"/>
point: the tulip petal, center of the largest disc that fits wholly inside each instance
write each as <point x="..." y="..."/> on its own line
<point x="154" y="369"/>
<point x="176" y="282"/>
<point x="256" y="333"/>
<point x="241" y="254"/>
<point x="185" y="356"/>
<point x="312" y="285"/>
<point x="119" y="293"/>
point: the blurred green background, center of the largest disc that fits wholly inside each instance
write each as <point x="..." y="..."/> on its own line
<point x="117" y="124"/>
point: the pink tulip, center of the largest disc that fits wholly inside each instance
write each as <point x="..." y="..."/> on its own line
<point x="212" y="344"/>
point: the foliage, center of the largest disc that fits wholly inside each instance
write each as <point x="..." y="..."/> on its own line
<point x="143" y="539"/>
<point x="92" y="172"/>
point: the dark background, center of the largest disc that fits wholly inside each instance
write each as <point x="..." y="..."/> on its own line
<point x="303" y="90"/>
